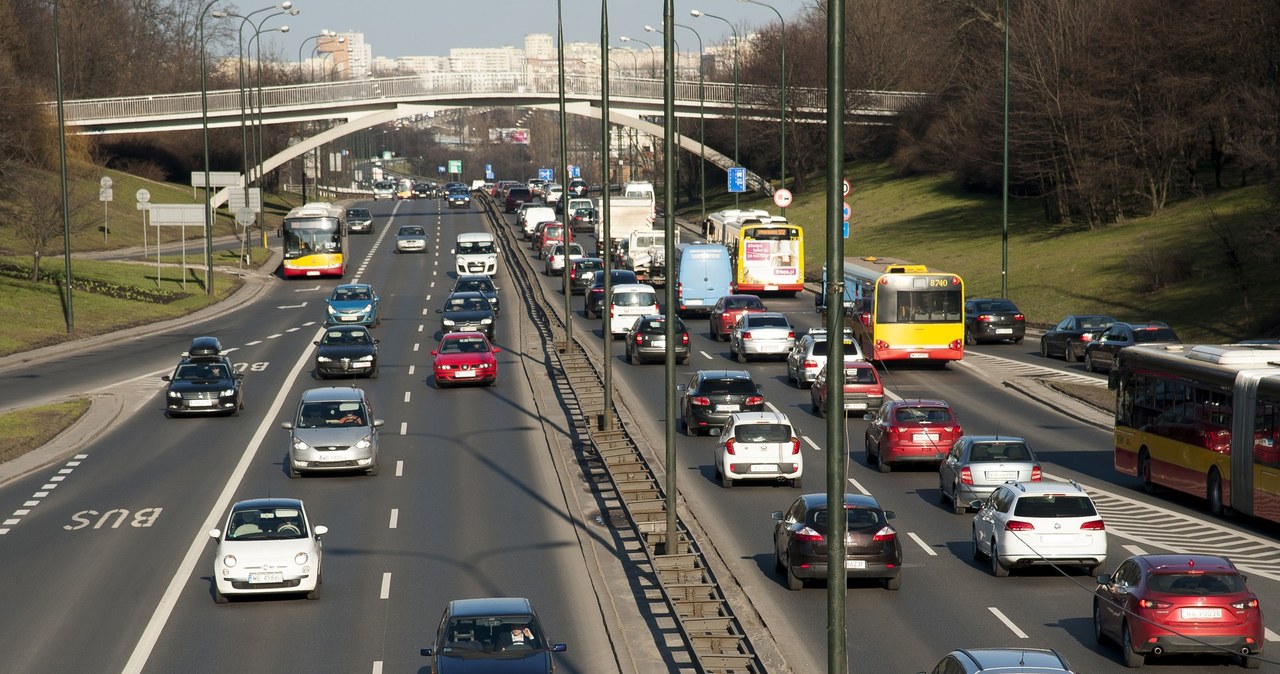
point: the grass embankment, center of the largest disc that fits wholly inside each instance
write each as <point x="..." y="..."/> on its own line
<point x="24" y="430"/>
<point x="1172" y="266"/>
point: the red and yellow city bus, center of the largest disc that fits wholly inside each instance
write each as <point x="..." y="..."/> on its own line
<point x="904" y="311"/>
<point x="315" y="241"/>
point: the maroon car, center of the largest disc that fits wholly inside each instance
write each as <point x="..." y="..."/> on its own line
<point x="724" y="315"/>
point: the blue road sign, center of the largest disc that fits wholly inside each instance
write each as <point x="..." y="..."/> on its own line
<point x="440" y="169"/>
<point x="488" y="175"/>
<point x="737" y="179"/>
<point x="575" y="171"/>
<point x="488" y="168"/>
<point x="546" y="174"/>
<point x="846" y="229"/>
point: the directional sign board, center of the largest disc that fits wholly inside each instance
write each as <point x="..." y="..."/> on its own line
<point x="546" y="174"/>
<point x="455" y="166"/>
<point x="216" y="178"/>
<point x="177" y="214"/>
<point x="575" y="171"/>
<point x="737" y="179"/>
<point x="440" y="169"/>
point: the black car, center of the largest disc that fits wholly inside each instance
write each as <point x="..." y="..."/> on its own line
<point x="422" y="191"/>
<point x="583" y="272"/>
<point x="479" y="283"/>
<point x="584" y="219"/>
<point x="712" y="395"/>
<point x="577" y="188"/>
<point x="993" y="320"/>
<point x="205" y="382"/>
<point x="467" y="312"/>
<point x="872" y="547"/>
<point x="1100" y="354"/>
<point x="593" y="304"/>
<point x="346" y="351"/>
<point x="359" y="220"/>
<point x="498" y="635"/>
<point x="1071" y="335"/>
<point x="647" y="340"/>
<point x="459" y="197"/>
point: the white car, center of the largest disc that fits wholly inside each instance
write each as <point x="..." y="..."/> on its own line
<point x="267" y="546"/>
<point x="764" y="333"/>
<point x="629" y="302"/>
<point x="555" y="257"/>
<point x="1026" y="523"/>
<point x="759" y="446"/>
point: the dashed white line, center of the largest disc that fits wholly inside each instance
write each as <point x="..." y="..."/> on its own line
<point x="399" y="468"/>
<point x="395" y="518"/>
<point x="306" y="325"/>
<point x="404" y="427"/>
<point x="9" y="522"/>
<point x="30" y="504"/>
<point x="411" y="369"/>
<point x="922" y="544"/>
<point x="424" y="311"/>
<point x="811" y="442"/>
<point x="377" y="667"/>
<point x="1007" y="623"/>
<point x="415" y="347"/>
<point x="41" y="494"/>
<point x="254" y="342"/>
<point x="293" y="329"/>
<point x="22" y="511"/>
<point x="706" y="355"/>
<point x="859" y="487"/>
<point x="49" y="486"/>
<point x="407" y="394"/>
<point x="278" y="334"/>
<point x="57" y="478"/>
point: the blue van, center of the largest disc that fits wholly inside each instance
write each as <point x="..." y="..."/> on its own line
<point x="704" y="274"/>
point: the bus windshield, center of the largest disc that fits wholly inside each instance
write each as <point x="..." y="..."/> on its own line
<point x="918" y="306"/>
<point x="311" y="236"/>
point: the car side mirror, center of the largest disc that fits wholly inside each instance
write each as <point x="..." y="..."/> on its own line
<point x="680" y="387"/>
<point x="288" y="425"/>
<point x="320" y="530"/>
<point x="435" y="352"/>
<point x="215" y="534"/>
<point x="378" y="422"/>
<point x="166" y="378"/>
<point x="776" y="515"/>
<point x="317" y="342"/>
<point x="428" y="652"/>
<point x="868" y="417"/>
<point x="238" y="375"/>
<point x="377" y="341"/>
<point x="559" y="648"/>
<point x="976" y="505"/>
<point x="496" y="350"/>
<point x="1103" y="580"/>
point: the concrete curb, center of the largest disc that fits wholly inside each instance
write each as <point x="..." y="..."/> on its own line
<point x="1044" y="394"/>
<point x="104" y="410"/>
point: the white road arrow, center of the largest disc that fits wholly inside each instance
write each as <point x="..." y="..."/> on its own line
<point x="306" y="290"/>
<point x="293" y="306"/>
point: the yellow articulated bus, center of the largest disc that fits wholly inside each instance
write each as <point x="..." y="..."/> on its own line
<point x="1202" y="420"/>
<point x="902" y="311"/>
<point x="315" y="241"/>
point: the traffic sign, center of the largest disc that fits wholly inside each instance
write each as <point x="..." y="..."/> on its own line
<point x="546" y="174"/>
<point x="846" y="211"/>
<point x="455" y="166"/>
<point x="440" y="169"/>
<point x="143" y="196"/>
<point x="105" y="183"/>
<point x="847" y="187"/>
<point x="575" y="171"/>
<point x="782" y="198"/>
<point x="737" y="179"/>
<point x="846" y="229"/>
<point x="245" y="216"/>
<point x="106" y="194"/>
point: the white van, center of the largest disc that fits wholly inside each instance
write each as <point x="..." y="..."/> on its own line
<point x="630" y="301"/>
<point x="534" y="215"/>
<point x="476" y="253"/>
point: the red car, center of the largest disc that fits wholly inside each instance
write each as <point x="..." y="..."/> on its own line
<point x="465" y="358"/>
<point x="724" y="315"/>
<point x="1157" y="604"/>
<point x="862" y="388"/>
<point x="911" y="431"/>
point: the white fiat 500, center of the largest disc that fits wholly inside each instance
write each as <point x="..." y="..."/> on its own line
<point x="267" y="546"/>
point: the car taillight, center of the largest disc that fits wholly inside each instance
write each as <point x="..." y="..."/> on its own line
<point x="1093" y="525"/>
<point x="1019" y="317"/>
<point x="1086" y="337"/>
<point x="885" y="534"/>
<point x="684" y="338"/>
<point x="791" y="334"/>
<point x="1242" y="605"/>
<point x="699" y="400"/>
<point x="730" y="446"/>
<point x="795" y="446"/>
<point x="755" y="400"/>
<point x="808" y="536"/>
<point x="1036" y="474"/>
<point x="985" y="318"/>
<point x="746" y="335"/>
<point x="966" y="475"/>
<point x="1151" y="603"/>
<point x="810" y="363"/>
<point x="639" y="339"/>
<point x="1015" y="525"/>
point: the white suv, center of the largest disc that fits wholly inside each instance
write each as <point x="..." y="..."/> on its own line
<point x="759" y="445"/>
<point x="1026" y="523"/>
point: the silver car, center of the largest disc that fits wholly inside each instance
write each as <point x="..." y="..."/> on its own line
<point x="807" y="358"/>
<point x="333" y="430"/>
<point x="411" y="239"/>
<point x="977" y="464"/>
<point x="766" y="333"/>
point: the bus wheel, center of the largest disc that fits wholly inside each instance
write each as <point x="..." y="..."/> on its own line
<point x="1144" y="471"/>
<point x="1214" y="494"/>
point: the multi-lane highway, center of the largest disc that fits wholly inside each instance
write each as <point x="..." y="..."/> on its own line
<point x="105" y="560"/>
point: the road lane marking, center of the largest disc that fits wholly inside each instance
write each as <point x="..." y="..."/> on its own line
<point x="200" y="542"/>
<point x="278" y="334"/>
<point x="415" y="347"/>
<point x="406" y="395"/>
<point x="395" y="518"/>
<point x="399" y="468"/>
<point x="1134" y="550"/>
<point x="859" y="487"/>
<point x="377" y="667"/>
<point x="411" y="369"/>
<point x="771" y="407"/>
<point x="706" y="355"/>
<point x="1269" y="635"/>
<point x="289" y="330"/>
<point x="922" y="544"/>
<point x="404" y="427"/>
<point x="420" y="326"/>
<point x="424" y="311"/>
<point x="1007" y="623"/>
<point x="811" y="442"/>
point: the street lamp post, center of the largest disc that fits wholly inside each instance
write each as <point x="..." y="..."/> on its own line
<point x="782" y="108"/>
<point x="635" y="62"/>
<point x="671" y="541"/>
<point x="62" y="152"/>
<point x="258" y="37"/>
<point x="702" y="126"/>
<point x="736" y="116"/>
<point x="311" y="64"/>
<point x="653" y="61"/>
<point x="607" y="421"/>
<point x="204" y="125"/>
<point x="564" y="176"/>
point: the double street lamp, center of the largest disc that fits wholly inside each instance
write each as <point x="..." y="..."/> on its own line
<point x="782" y="108"/>
<point x="257" y="37"/>
<point x="702" y="125"/>
<point x="736" y="116"/>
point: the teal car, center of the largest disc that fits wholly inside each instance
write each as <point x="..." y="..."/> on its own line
<point x="353" y="304"/>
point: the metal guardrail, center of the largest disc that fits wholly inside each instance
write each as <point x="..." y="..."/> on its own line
<point x="713" y="637"/>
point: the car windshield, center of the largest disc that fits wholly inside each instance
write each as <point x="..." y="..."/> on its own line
<point x="995" y="305"/>
<point x="475" y="247"/>
<point x="466" y="304"/>
<point x="983" y="452"/>
<point x="859" y="375"/>
<point x="201" y="372"/>
<point x="857" y="518"/>
<point x="411" y="231"/>
<point x="640" y="299"/>
<point x="768" y="322"/>
<point x="346" y="338"/>
<point x="1154" y="335"/>
<point x="474" y="285"/>
<point x="762" y="433"/>
<point x="1054" y="505"/>
<point x="331" y="414"/>
<point x="727" y="386"/>
<point x="350" y="295"/>
<point x="358" y="213"/>
<point x="922" y="415"/>
<point x="485" y="636"/>
<point x="464" y="345"/>
<point x="1196" y="583"/>
<point x="257" y="524"/>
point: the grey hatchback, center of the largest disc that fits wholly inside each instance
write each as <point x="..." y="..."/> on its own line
<point x="977" y="464"/>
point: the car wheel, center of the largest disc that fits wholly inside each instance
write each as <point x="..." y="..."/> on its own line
<point x="1088" y="362"/>
<point x="817" y="408"/>
<point x="742" y="356"/>
<point x="314" y="594"/>
<point x="711" y="332"/>
<point x="1044" y="349"/>
<point x="1248" y="662"/>
<point x="218" y="597"/>
<point x="969" y="339"/>
<point x="684" y="361"/>
<point x="1214" y="494"/>
<point x="871" y="459"/>
<point x="630" y="359"/>
<point x="778" y="565"/>
<point x="894" y="583"/>
<point x="797" y="482"/>
<point x="725" y="481"/>
<point x="794" y="584"/>
<point x="1132" y="659"/>
<point x="1098" y="635"/>
<point x="1069" y="353"/>
<point x="291" y="470"/>
<point x="957" y="507"/>
<point x="997" y="569"/>
<point x="881" y="464"/>
<point x="977" y="550"/>
<point x="1144" y="471"/>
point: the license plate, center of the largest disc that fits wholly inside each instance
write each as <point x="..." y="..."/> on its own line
<point x="1002" y="475"/>
<point x="924" y="437"/>
<point x="313" y="273"/>
<point x="918" y="355"/>
<point x="273" y="577"/>
<point x="855" y="406"/>
<point x="726" y="408"/>
<point x="464" y="374"/>
<point x="770" y="286"/>
<point x="201" y="403"/>
<point x="348" y="318"/>
<point x="1201" y="613"/>
<point x="855" y="563"/>
<point x="693" y="302"/>
<point x="764" y="468"/>
<point x="1004" y="331"/>
<point x="659" y="343"/>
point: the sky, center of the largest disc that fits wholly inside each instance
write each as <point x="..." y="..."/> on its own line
<point x="432" y="27"/>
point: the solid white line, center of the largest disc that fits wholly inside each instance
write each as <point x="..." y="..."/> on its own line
<point x="771" y="407"/>
<point x="404" y="427"/>
<point x="922" y="544"/>
<point x="147" y="642"/>
<point x="1134" y="550"/>
<point x="406" y="395"/>
<point x="395" y="517"/>
<point x="859" y="487"/>
<point x="811" y="442"/>
<point x="399" y="468"/>
<point x="1007" y="623"/>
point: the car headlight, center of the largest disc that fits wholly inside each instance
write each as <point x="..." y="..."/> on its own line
<point x="174" y="394"/>
<point x="365" y="359"/>
<point x="332" y="310"/>
<point x="229" y="561"/>
<point x="227" y="393"/>
<point x="447" y="322"/>
<point x="300" y="445"/>
<point x="486" y="321"/>
<point x="364" y="443"/>
<point x="367" y="308"/>
<point x="300" y="558"/>
<point x="323" y="359"/>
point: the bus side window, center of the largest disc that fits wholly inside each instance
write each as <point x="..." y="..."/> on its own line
<point x="1266" y="446"/>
